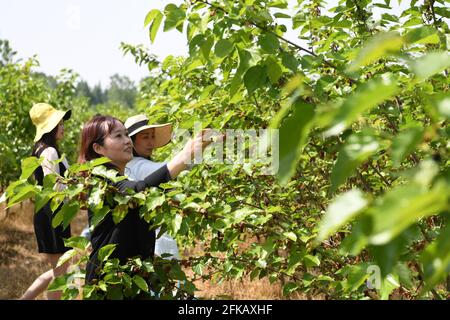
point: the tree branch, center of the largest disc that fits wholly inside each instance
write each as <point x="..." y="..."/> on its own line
<point x="296" y="46"/>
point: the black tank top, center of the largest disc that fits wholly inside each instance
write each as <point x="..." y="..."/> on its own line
<point x="39" y="172"/>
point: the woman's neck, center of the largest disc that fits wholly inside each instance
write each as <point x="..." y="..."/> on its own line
<point x="121" y="169"/>
<point x="117" y="166"/>
<point x="148" y="156"/>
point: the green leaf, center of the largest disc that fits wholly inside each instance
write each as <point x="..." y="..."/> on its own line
<point x="295" y="259"/>
<point x="42" y="198"/>
<point x="246" y="60"/>
<point x="340" y="211"/>
<point x="22" y="193"/>
<point x="58" y="219"/>
<point x="358" y="239"/>
<point x="70" y="213"/>
<point x="422" y="35"/>
<point x="148" y="266"/>
<point x="206" y="46"/>
<point x="377" y="47"/>
<point x="56" y="201"/>
<point x="155" y="17"/>
<point x="189" y="287"/>
<point x="404" y="275"/>
<point x="98" y="162"/>
<point x="191" y="65"/>
<point x="176" y="223"/>
<point x="356" y="277"/>
<point x="155" y="200"/>
<point x="402" y="206"/>
<point x="274" y="71"/>
<point x="364" y="98"/>
<point x="29" y="165"/>
<point x="386" y="256"/>
<point x="357" y="149"/>
<point x="269" y="43"/>
<point x="77" y="242"/>
<point x="59" y="283"/>
<point x="293" y="134"/>
<point x="66" y="214"/>
<point x="174" y="17"/>
<point x="151" y="16"/>
<point x="99" y="214"/>
<point x="389" y="283"/>
<point x="290" y="235"/>
<point x="255" y="78"/>
<point x="106" y="251"/>
<point x="95" y="199"/>
<point x="439" y="106"/>
<point x="70" y="294"/>
<point x="198" y="269"/>
<point x="289" y="61"/>
<point x="442" y="11"/>
<point x="436" y="259"/>
<point x="78" y="167"/>
<point x="405" y="142"/>
<point x="140" y="282"/>
<point x="119" y="213"/>
<point x="223" y="48"/>
<point x="281" y="15"/>
<point x="66" y="257"/>
<point x="430" y="64"/>
<point x="289" y="288"/>
<point x="261" y="263"/>
<point x="115" y="293"/>
<point x="282" y="4"/>
<point x="311" y="261"/>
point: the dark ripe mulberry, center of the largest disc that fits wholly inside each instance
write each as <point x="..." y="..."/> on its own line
<point x="437" y="157"/>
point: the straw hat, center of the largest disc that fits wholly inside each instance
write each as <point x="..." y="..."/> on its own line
<point x="138" y="123"/>
<point x="46" y="118"/>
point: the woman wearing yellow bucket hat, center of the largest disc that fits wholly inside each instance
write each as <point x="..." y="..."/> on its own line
<point x="49" y="130"/>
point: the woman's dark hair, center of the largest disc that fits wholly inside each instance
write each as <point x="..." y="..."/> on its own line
<point x="133" y="138"/>
<point x="95" y="131"/>
<point x="47" y="140"/>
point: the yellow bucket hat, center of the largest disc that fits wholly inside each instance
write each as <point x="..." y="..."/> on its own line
<point x="46" y="118"/>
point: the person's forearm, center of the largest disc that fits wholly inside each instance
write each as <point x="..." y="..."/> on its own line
<point x="193" y="148"/>
<point x="152" y="180"/>
<point x="178" y="163"/>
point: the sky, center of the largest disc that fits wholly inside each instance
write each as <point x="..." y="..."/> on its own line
<point x="85" y="35"/>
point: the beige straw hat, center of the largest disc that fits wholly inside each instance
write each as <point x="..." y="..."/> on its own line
<point x="162" y="132"/>
<point x="46" y="118"/>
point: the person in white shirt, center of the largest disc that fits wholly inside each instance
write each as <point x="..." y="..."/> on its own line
<point x="146" y="138"/>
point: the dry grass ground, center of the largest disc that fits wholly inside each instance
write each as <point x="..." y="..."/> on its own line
<point x="20" y="263"/>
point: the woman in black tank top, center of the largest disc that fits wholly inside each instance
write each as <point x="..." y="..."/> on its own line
<point x="50" y="130"/>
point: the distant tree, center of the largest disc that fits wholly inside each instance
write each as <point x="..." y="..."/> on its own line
<point x="51" y="81"/>
<point x="98" y="95"/>
<point x="6" y="53"/>
<point x="122" y="90"/>
<point x="83" y="90"/>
